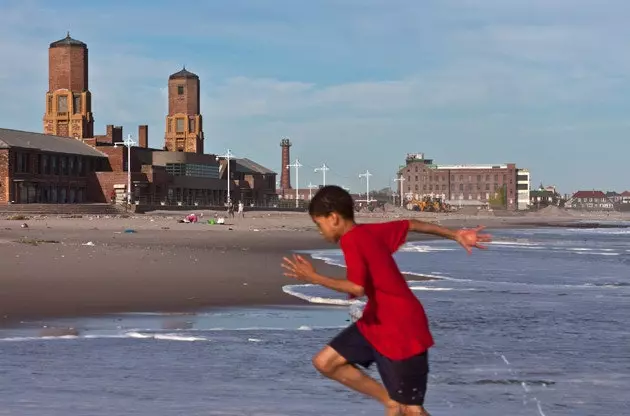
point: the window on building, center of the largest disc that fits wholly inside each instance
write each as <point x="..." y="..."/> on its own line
<point x="444" y="187"/>
<point x="416" y="187"/>
<point x="76" y="103"/>
<point x="80" y="166"/>
<point x="45" y="165"/>
<point x="461" y="186"/>
<point x="416" y="168"/>
<point x="179" y="125"/>
<point x="487" y="187"/>
<point x="496" y="178"/>
<point x="169" y="126"/>
<point x="50" y="104"/>
<point x="71" y="165"/>
<point x="416" y="178"/>
<point x="430" y="187"/>
<point x="62" y="165"/>
<point x="191" y="124"/>
<point x="461" y="177"/>
<point x="62" y="103"/>
<point x="478" y="178"/>
<point x="180" y="90"/>
<point x="487" y="178"/>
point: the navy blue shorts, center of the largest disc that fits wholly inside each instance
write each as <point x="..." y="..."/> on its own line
<point x="405" y="380"/>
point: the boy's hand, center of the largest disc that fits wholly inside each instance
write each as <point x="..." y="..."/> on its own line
<point x="469" y="238"/>
<point x="299" y="268"/>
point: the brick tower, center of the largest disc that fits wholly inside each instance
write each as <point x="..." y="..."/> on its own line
<point x="184" y="128"/>
<point x="68" y="100"/>
<point x="285" y="176"/>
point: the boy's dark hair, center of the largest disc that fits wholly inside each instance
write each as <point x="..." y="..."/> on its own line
<point x="329" y="199"/>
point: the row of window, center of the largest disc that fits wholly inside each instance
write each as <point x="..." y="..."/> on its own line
<point x="52" y="164"/>
<point x="443" y="178"/>
<point x="180" y="125"/>
<point x="63" y="104"/>
<point x="39" y="193"/>
<point x="193" y="169"/>
<point x="461" y="187"/>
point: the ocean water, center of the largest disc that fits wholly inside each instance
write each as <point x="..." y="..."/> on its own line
<point x="537" y="325"/>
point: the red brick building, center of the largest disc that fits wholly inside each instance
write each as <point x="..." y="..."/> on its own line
<point x="69" y="164"/>
<point x="459" y="184"/>
<point x="39" y="168"/>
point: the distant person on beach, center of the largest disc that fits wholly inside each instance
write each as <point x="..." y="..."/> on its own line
<point x="230" y="209"/>
<point x="241" y="209"/>
<point x="393" y="331"/>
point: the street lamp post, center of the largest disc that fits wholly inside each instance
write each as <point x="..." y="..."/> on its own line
<point x="323" y="170"/>
<point x="310" y="190"/>
<point x="366" y="175"/>
<point x="297" y="165"/>
<point x="401" y="179"/>
<point x="128" y="142"/>
<point x="227" y="156"/>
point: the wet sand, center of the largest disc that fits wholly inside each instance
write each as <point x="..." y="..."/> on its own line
<point x="82" y="266"/>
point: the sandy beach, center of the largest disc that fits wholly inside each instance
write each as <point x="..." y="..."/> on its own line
<point x="93" y="265"/>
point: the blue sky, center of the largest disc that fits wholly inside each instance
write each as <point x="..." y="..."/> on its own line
<point x="356" y="84"/>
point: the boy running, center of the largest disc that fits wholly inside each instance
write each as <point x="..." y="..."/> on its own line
<point x="393" y="331"/>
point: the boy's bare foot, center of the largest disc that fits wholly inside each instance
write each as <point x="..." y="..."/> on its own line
<point x="393" y="408"/>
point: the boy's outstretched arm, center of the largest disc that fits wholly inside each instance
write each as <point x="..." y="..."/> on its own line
<point x="467" y="238"/>
<point x="302" y="269"/>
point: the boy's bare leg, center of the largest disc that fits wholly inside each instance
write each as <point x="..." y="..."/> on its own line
<point x="334" y="366"/>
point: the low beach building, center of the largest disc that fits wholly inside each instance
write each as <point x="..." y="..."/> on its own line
<point x="41" y="168"/>
<point x="590" y="201"/>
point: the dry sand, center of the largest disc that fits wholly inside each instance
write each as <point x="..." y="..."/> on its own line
<point x="90" y="265"/>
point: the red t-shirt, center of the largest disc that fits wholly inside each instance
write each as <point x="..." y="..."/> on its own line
<point x="393" y="320"/>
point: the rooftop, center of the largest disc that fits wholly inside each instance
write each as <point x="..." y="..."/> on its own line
<point x="46" y="143"/>
<point x="248" y="166"/>
<point x="452" y="167"/>
<point x="67" y="41"/>
<point x="183" y="74"/>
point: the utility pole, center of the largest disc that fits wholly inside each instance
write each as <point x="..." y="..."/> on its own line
<point x="128" y="142"/>
<point x="401" y="179"/>
<point x="227" y="156"/>
<point x="366" y="175"/>
<point x="323" y="170"/>
<point x="297" y="165"/>
<point x="310" y="190"/>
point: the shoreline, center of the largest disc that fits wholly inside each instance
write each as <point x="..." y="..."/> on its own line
<point x="90" y="266"/>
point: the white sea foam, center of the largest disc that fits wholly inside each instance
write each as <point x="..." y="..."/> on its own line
<point x="411" y="248"/>
<point x="438" y="289"/>
<point x="293" y="290"/>
<point x="21" y="339"/>
<point x="514" y="243"/>
<point x="165" y="337"/>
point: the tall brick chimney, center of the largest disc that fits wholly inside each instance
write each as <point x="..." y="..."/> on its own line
<point x="285" y="176"/>
<point x="117" y="134"/>
<point x="143" y="136"/>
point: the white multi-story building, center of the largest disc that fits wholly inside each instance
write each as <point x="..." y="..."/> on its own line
<point x="523" y="185"/>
